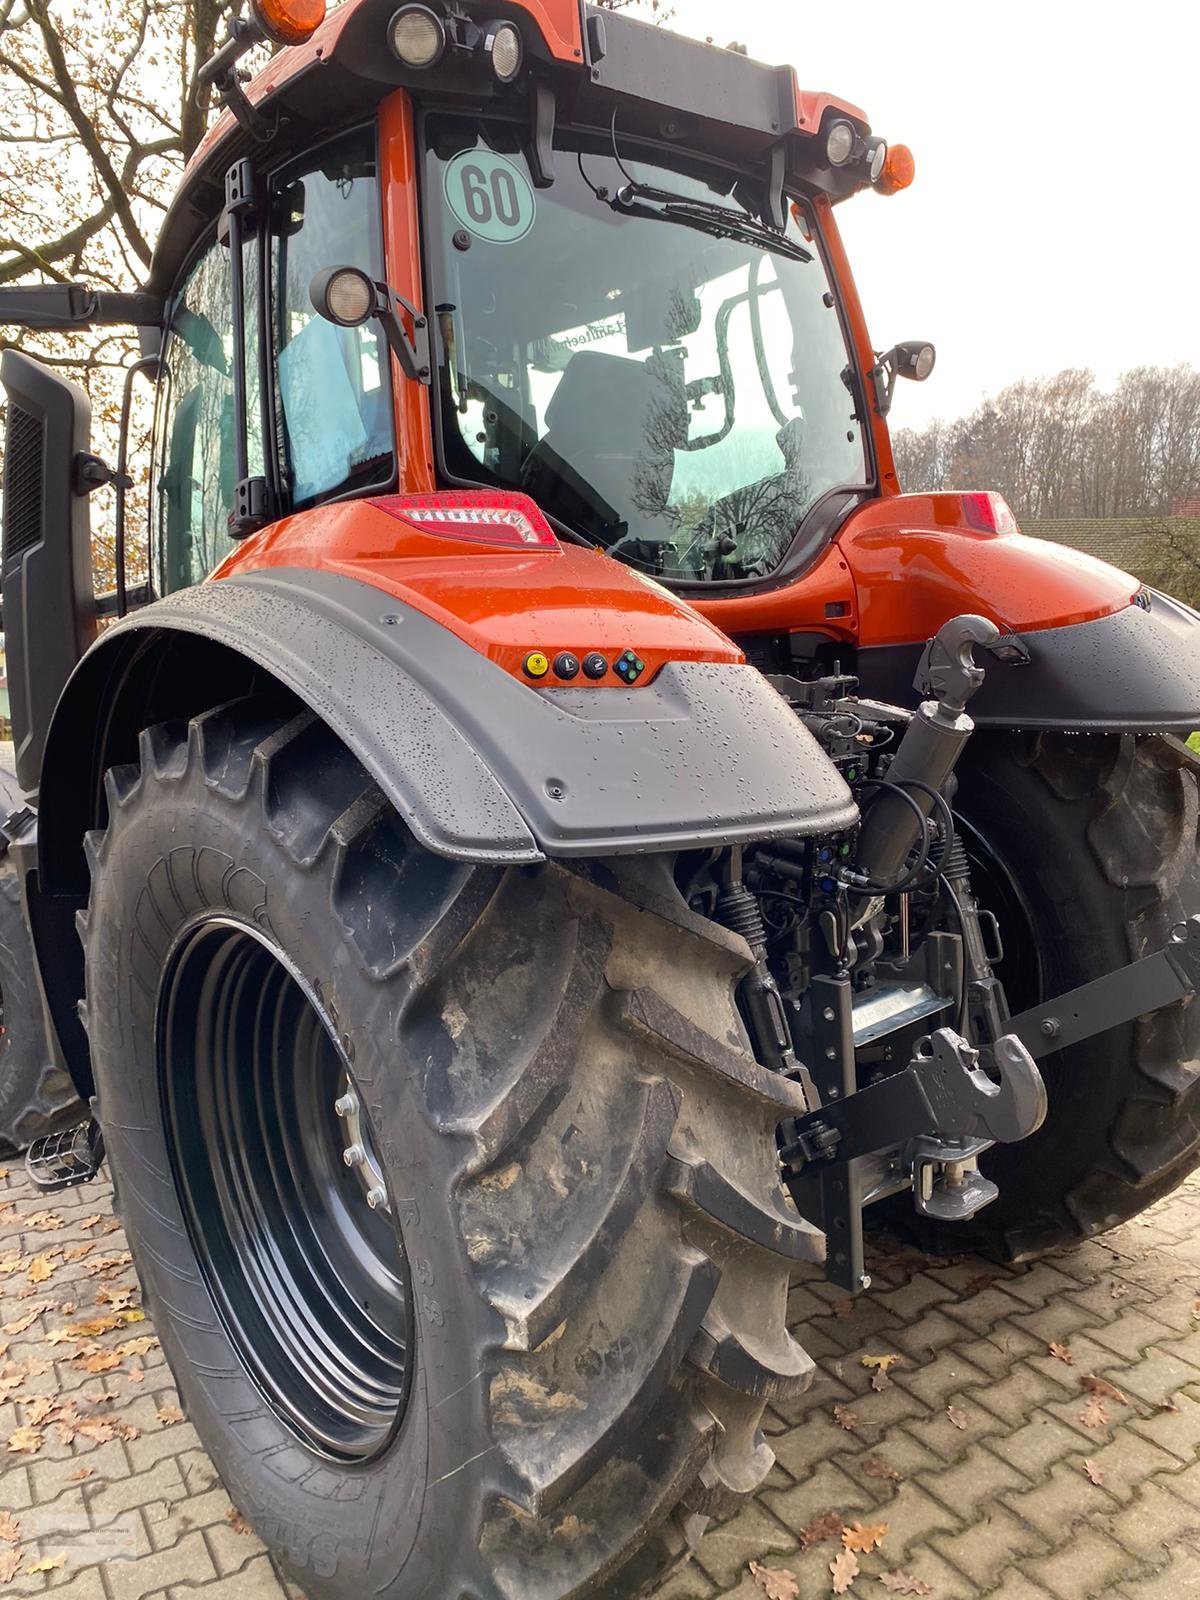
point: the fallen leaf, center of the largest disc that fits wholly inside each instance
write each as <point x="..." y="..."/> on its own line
<point x="845" y="1419"/>
<point x="68" y="1308"/>
<point x="107" y="1264"/>
<point x="1196" y="1308"/>
<point x="1094" y="1471"/>
<point x="169" y="1415"/>
<point x="237" y="1521"/>
<point x="25" y="1321"/>
<point x="40" y="1408"/>
<point x="78" y="1251"/>
<point x="25" y="1441"/>
<point x="117" y="1297"/>
<point x="90" y="1222"/>
<point x="82" y="1330"/>
<point x="111" y="1225"/>
<point x="11" y="1264"/>
<point x="43" y="1222"/>
<point x="775" y="1582"/>
<point x="864" y="1539"/>
<point x="10" y="1561"/>
<point x="1093" y="1414"/>
<point x="1168" y="1406"/>
<point x="881" y="1363"/>
<point x="99" y="1429"/>
<point x="80" y="1474"/>
<point x="898" y="1582"/>
<point x="3" y="1174"/>
<point x="99" y="1361"/>
<point x="138" y="1375"/>
<point x="10" y="1528"/>
<point x="138" y="1346"/>
<point x="957" y="1416"/>
<point x="1061" y="1353"/>
<point x="843" y="1569"/>
<point x="877" y="1467"/>
<point x="827" y="1526"/>
<point x="977" y="1285"/>
<point x="1119" y="1290"/>
<point x="880" y="1380"/>
<point x="127" y="1431"/>
<point x="843" y="1308"/>
<point x="1102" y="1387"/>
<point x="48" y="1564"/>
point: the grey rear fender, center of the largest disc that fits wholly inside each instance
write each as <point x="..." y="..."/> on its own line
<point x="480" y="766"/>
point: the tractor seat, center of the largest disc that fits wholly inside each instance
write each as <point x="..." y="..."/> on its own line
<point x="613" y="427"/>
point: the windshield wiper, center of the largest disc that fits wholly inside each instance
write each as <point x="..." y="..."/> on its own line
<point x="641" y="200"/>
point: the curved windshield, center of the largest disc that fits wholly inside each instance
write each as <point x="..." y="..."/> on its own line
<point x="627" y="347"/>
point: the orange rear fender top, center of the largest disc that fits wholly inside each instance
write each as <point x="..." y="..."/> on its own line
<point x="903" y="565"/>
<point x="507" y="604"/>
<point x="916" y="561"/>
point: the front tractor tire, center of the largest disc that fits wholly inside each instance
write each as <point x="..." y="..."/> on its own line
<point x="518" y="1343"/>
<point x="1085" y="847"/>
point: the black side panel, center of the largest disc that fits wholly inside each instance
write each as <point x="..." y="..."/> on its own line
<point x="1138" y="669"/>
<point x="49" y="609"/>
<point x="481" y="766"/>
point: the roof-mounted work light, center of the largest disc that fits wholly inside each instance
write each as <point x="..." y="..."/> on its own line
<point x="418" y="37"/>
<point x="503" y="47"/>
<point x="841" y="144"/>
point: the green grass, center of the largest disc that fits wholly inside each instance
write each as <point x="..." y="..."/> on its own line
<point x="1194" y="743"/>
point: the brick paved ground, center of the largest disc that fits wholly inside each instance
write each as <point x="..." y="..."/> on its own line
<point x="988" y="1498"/>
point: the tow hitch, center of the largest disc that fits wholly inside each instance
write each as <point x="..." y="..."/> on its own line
<point x="927" y="1124"/>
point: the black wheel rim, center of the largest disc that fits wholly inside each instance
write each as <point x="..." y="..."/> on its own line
<point x="309" y="1279"/>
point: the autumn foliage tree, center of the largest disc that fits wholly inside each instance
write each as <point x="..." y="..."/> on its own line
<point x="102" y="110"/>
<point x="1063" y="447"/>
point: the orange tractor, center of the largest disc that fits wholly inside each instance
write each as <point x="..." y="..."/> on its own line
<point x="560" y="833"/>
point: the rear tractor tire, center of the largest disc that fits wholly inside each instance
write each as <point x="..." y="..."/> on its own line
<point x="517" y="1342"/>
<point x="1086" y="848"/>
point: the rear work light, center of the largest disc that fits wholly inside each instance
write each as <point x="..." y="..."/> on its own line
<point x="988" y="513"/>
<point x="418" y="37"/>
<point x="505" y="519"/>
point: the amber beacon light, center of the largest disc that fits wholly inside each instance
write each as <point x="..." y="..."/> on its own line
<point x="289" y="21"/>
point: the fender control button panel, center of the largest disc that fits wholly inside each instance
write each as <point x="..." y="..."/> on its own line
<point x="536" y="665"/>
<point x="629" y="667"/>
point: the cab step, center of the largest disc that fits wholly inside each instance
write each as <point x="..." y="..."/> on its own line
<point x="68" y="1157"/>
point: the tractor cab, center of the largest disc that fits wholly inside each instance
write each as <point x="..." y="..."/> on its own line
<point x="604" y="257"/>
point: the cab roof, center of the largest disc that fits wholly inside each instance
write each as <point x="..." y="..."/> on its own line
<point x="666" y="85"/>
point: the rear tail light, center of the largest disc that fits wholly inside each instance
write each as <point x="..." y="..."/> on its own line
<point x="502" y="518"/>
<point x="988" y="513"/>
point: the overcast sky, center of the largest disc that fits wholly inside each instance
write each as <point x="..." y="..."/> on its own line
<point x="1054" y="217"/>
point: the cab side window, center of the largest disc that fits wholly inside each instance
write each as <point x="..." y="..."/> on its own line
<point x="194" y="475"/>
<point x="334" y="396"/>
